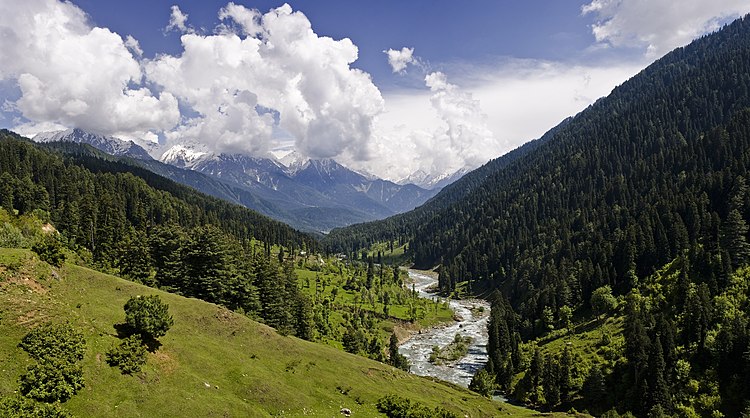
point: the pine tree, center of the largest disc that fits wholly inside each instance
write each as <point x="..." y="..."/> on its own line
<point x="594" y="387"/>
<point x="135" y="258"/>
<point x="551" y="381"/>
<point x="636" y="352"/>
<point x="482" y="383"/>
<point x="207" y="264"/>
<point x="733" y="238"/>
<point x="658" y="387"/>
<point x="370" y="273"/>
<point x="565" y="371"/>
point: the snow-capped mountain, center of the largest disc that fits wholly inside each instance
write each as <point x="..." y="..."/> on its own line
<point x="184" y="155"/>
<point x="323" y="193"/>
<point x="433" y="181"/>
<point x="308" y="194"/>
<point x="289" y="158"/>
<point x="108" y="144"/>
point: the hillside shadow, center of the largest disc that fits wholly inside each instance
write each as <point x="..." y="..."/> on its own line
<point x="124" y="330"/>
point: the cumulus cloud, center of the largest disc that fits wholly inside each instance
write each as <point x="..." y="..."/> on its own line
<point x="659" y="25"/>
<point x="440" y="131"/>
<point x="524" y="99"/>
<point x="400" y="59"/>
<point x="133" y="45"/>
<point x="264" y="71"/>
<point x="178" y="21"/>
<point x="72" y="74"/>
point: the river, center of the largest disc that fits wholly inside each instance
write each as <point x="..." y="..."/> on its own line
<point x="470" y="322"/>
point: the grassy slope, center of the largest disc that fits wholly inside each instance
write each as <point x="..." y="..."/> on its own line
<point x="428" y="313"/>
<point x="212" y="362"/>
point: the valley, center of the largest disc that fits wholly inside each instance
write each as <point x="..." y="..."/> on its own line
<point x="253" y="215"/>
<point x="471" y="321"/>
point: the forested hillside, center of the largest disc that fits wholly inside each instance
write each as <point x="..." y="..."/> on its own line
<point x="401" y="227"/>
<point x="125" y="219"/>
<point x="94" y="198"/>
<point x="653" y="175"/>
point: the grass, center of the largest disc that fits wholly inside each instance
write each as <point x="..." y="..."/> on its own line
<point x="595" y="341"/>
<point x="212" y="363"/>
<point x="330" y="280"/>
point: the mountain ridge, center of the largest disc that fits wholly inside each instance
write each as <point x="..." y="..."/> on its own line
<point x="313" y="195"/>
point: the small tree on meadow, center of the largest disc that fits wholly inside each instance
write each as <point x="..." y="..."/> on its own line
<point x="602" y="300"/>
<point x="148" y="316"/>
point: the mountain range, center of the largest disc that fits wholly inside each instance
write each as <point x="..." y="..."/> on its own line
<point x="312" y="195"/>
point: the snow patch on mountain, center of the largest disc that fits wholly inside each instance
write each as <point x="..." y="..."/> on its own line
<point x="433" y="181"/>
<point x="185" y="155"/>
<point x="109" y="144"/>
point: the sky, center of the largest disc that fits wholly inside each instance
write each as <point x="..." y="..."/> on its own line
<point x="392" y="88"/>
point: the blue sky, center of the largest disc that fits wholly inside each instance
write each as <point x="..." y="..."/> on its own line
<point x="443" y="31"/>
<point x="464" y="81"/>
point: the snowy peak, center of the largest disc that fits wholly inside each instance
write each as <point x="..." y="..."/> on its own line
<point x="184" y="156"/>
<point x="108" y="144"/>
<point x="288" y="157"/>
<point x="433" y="181"/>
<point x="320" y="173"/>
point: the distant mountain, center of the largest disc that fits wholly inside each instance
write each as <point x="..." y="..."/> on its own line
<point x="108" y="144"/>
<point x="433" y="181"/>
<point x="314" y="195"/>
<point x="310" y="194"/>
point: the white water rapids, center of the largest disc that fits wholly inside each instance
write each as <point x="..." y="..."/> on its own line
<point x="472" y="324"/>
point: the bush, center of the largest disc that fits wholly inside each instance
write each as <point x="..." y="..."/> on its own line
<point x="602" y="301"/>
<point x="148" y="316"/>
<point x="20" y="407"/>
<point x="49" y="250"/>
<point x="397" y="407"/>
<point x="54" y="341"/>
<point x="129" y="355"/>
<point x="10" y="236"/>
<point x="52" y="381"/>
<point x="482" y="383"/>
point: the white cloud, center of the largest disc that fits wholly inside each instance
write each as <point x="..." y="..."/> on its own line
<point x="400" y="59"/>
<point x="270" y="61"/>
<point x="71" y="74"/>
<point x="249" y="20"/>
<point x="521" y="98"/>
<point x="437" y="132"/>
<point x="133" y="45"/>
<point x="178" y="21"/>
<point x="659" y="25"/>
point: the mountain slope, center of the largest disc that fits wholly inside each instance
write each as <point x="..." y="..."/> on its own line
<point x="108" y="144"/>
<point x="212" y="362"/>
<point x="95" y="198"/>
<point x="642" y="196"/>
<point x="315" y="195"/>
<point x="299" y="194"/>
<point x="593" y="159"/>
<point x="400" y="227"/>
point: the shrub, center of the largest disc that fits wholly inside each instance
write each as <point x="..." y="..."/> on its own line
<point x="52" y="381"/>
<point x="49" y="250"/>
<point x="148" y="316"/>
<point x="129" y="355"/>
<point x="54" y="341"/>
<point x="602" y="301"/>
<point x="10" y="236"/>
<point x="482" y="383"/>
<point x="20" y="407"/>
<point x="397" y="407"/>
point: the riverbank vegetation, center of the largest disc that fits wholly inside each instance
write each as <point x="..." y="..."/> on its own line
<point x="457" y="349"/>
